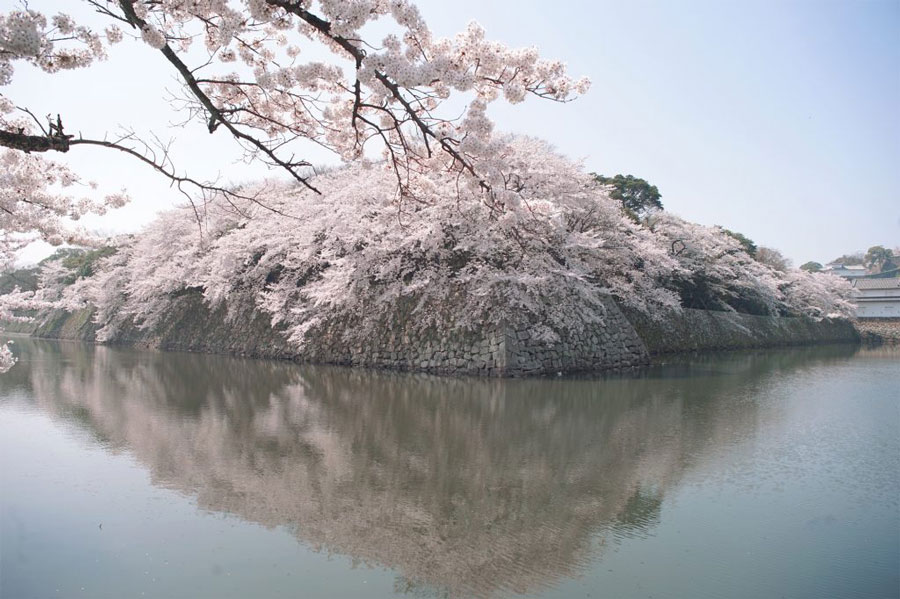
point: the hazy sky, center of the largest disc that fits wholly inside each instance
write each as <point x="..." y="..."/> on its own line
<point x="777" y="119"/>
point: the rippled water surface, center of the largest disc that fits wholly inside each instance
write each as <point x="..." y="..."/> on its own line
<point x="764" y="474"/>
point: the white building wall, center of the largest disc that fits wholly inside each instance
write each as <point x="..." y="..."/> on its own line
<point x="878" y="309"/>
<point x="847" y="273"/>
<point x="878" y="303"/>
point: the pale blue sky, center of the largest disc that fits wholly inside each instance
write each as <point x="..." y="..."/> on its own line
<point x="777" y="119"/>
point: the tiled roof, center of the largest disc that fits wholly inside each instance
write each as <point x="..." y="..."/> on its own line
<point x="877" y="283"/>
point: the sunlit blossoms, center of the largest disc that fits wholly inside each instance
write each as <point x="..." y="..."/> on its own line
<point x="36" y="203"/>
<point x="52" y="45"/>
<point x="350" y="256"/>
<point x="432" y="201"/>
<point x="242" y="67"/>
<point x="369" y="98"/>
<point x="714" y="272"/>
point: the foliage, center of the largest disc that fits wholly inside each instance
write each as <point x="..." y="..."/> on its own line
<point x="745" y="241"/>
<point x="25" y="291"/>
<point x="17" y="287"/>
<point x="850" y="259"/>
<point x="82" y="263"/>
<point x="811" y="266"/>
<point x="637" y="196"/>
<point x="25" y="279"/>
<point x="773" y="258"/>
<point x="880" y="259"/>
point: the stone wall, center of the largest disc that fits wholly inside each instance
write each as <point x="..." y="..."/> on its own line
<point x="614" y="345"/>
<point x="497" y="347"/>
<point x="189" y="325"/>
<point x="879" y="330"/>
<point x="705" y="330"/>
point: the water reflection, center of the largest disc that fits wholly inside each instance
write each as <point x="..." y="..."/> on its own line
<point x="464" y="487"/>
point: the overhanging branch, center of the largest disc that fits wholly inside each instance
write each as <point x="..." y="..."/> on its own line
<point x="215" y="114"/>
<point x="34" y="143"/>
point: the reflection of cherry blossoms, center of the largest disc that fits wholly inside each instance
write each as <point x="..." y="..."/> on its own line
<point x="476" y="487"/>
<point x="7" y="359"/>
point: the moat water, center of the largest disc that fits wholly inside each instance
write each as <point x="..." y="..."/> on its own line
<point x="130" y="473"/>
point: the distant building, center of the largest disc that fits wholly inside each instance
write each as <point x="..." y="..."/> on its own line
<point x="877" y="298"/>
<point x="848" y="271"/>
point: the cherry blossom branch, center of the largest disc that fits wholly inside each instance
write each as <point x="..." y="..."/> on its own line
<point x="55" y="139"/>
<point x="164" y="167"/>
<point x="215" y="114"/>
<point x="358" y="55"/>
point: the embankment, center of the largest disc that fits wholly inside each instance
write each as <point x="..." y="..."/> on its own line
<point x="705" y="330"/>
<point x="189" y="325"/>
<point x="879" y="330"/>
<point x="498" y="348"/>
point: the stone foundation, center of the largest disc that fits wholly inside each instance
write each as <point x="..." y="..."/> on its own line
<point x="879" y="330"/>
<point x="705" y="330"/>
<point x="495" y="348"/>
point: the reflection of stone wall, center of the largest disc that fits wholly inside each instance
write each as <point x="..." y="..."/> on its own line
<point x="473" y="486"/>
<point x="699" y="330"/>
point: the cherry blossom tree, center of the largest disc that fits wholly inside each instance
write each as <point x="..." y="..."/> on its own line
<point x="430" y="205"/>
<point x="240" y="65"/>
<point x="35" y="203"/>
<point x="717" y="272"/>
<point x="351" y="255"/>
<point x="352" y="251"/>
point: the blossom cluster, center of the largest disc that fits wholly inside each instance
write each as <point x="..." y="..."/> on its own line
<point x="715" y="272"/>
<point x="58" y="45"/>
<point x="354" y="252"/>
<point x="367" y="95"/>
<point x="35" y="203"/>
<point x="365" y="100"/>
